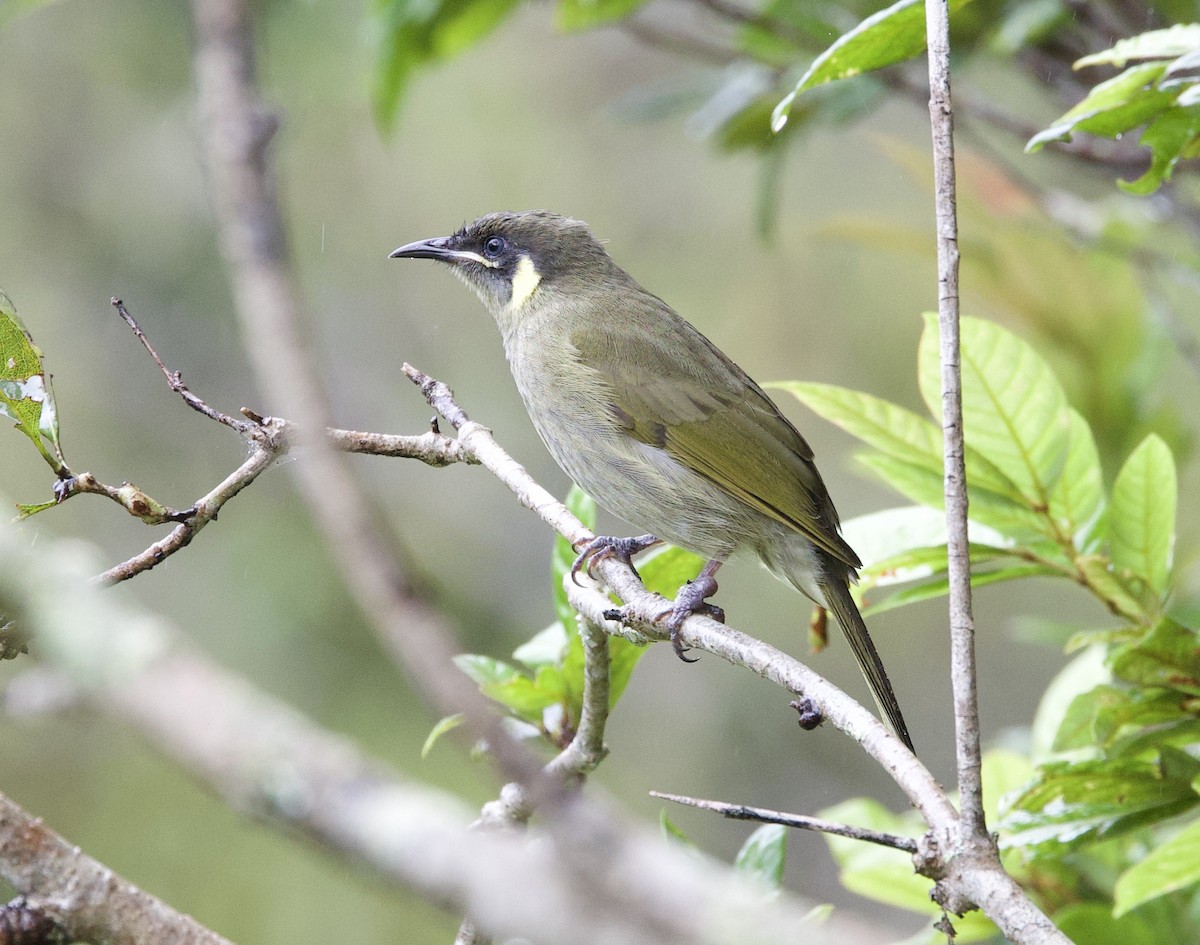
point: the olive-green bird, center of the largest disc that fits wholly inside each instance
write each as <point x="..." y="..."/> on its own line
<point x="653" y="421"/>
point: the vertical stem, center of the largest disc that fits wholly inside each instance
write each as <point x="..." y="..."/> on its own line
<point x="962" y="627"/>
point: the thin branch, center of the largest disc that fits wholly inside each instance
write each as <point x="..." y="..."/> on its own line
<point x="269" y="761"/>
<point x="175" y="379"/>
<point x="800" y="821"/>
<point x="81" y="895"/>
<point x="962" y="627"/>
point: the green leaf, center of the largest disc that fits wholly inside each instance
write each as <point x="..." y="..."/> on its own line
<point x="925" y="486"/>
<point x="1015" y="411"/>
<point x="545" y="648"/>
<point x="575" y="15"/>
<point x="447" y="724"/>
<point x="24" y="511"/>
<point x="1169" y="137"/>
<point x="1130" y="597"/>
<point x="883" y="39"/>
<point x="940" y="587"/>
<point x="1156" y="44"/>
<point x="671" y="832"/>
<point x="26" y="397"/>
<point x="1076" y="506"/>
<point x="1004" y="772"/>
<point x="1077" y="803"/>
<point x="413" y="33"/>
<point x="666" y="569"/>
<point x="909" y="537"/>
<point x="1093" y="923"/>
<point x="485" y="670"/>
<point x="1142" y="515"/>
<point x="1167" y="656"/>
<point x="583" y="507"/>
<point x="1113" y="107"/>
<point x="763" y="854"/>
<point x="1173" y="866"/>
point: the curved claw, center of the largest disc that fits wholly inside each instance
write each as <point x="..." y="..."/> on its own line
<point x="606" y="546"/>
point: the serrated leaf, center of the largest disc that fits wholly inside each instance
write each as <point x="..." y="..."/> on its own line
<point x="1142" y="514"/>
<point x="1076" y="505"/>
<point x="882" y="39"/>
<point x="1156" y="44"/>
<point x="412" y="33"/>
<point x="1167" y="655"/>
<point x="1015" y="411"/>
<point x="1074" y="804"/>
<point x="763" y="855"/>
<point x="26" y="397"/>
<point x="1167" y="868"/>
<point x="447" y="724"/>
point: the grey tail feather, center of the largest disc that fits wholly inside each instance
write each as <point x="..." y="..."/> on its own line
<point x="838" y="599"/>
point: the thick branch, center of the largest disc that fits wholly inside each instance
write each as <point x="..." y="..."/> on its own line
<point x="83" y="896"/>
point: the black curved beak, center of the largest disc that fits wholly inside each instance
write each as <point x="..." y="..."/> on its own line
<point x="435" y="248"/>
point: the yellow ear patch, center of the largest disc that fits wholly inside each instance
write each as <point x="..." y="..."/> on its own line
<point x="525" y="281"/>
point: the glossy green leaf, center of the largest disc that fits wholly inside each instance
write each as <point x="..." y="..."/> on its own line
<point x="1170" y="136"/>
<point x="892" y="536"/>
<point x="1156" y="44"/>
<point x="1113" y="107"/>
<point x="1099" y="716"/>
<point x="664" y="570"/>
<point x="1015" y="411"/>
<point x="412" y="33"/>
<point x="1076" y="506"/>
<point x="573" y="15"/>
<point x="1129" y="597"/>
<point x="447" y="724"/>
<point x="528" y="698"/>
<point x="763" y="855"/>
<point x="1077" y="803"/>
<point x="882" y="39"/>
<point x="1167" y="868"/>
<point x="1142" y="516"/>
<point x="26" y="397"/>
<point x="1167" y="655"/>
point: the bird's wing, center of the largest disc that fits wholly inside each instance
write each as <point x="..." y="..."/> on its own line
<point x="671" y="388"/>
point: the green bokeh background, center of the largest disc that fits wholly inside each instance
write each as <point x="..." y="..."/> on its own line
<point x="102" y="194"/>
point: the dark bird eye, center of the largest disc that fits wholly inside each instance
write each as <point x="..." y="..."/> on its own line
<point x="493" y="246"/>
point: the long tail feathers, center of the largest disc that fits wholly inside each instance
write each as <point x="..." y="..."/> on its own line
<point x="837" y="597"/>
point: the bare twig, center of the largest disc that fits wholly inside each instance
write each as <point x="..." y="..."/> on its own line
<point x="962" y="627"/>
<point x="175" y="379"/>
<point x="82" y="896"/>
<point x="763" y="815"/>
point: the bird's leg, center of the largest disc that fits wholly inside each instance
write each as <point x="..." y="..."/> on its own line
<point x="692" y="599"/>
<point x="605" y="546"/>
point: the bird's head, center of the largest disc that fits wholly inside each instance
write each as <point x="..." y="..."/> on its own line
<point x="513" y="259"/>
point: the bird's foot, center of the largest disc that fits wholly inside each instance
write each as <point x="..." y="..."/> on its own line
<point x="692" y="599"/>
<point x="605" y="546"/>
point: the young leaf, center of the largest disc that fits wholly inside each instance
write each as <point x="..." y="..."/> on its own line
<point x="447" y="724"/>
<point x="1174" y="865"/>
<point x="1015" y="411"/>
<point x="1142" y="515"/>
<point x="940" y="586"/>
<point x="1170" y="136"/>
<point x="882" y="39"/>
<point x="763" y="854"/>
<point x="26" y="397"/>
